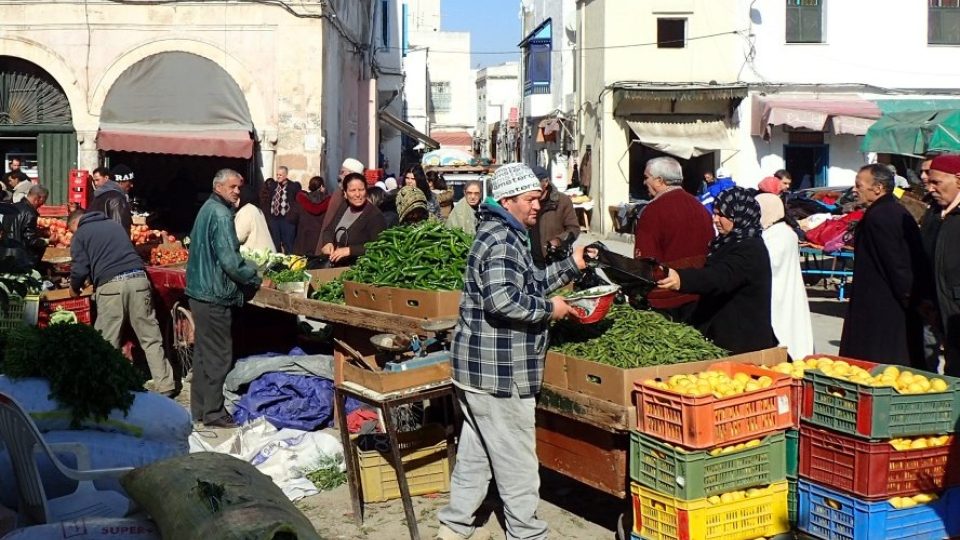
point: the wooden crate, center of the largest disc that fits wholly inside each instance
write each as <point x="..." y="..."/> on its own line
<point x="588" y="454"/>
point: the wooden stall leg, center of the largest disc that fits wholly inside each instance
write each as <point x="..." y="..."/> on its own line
<point x="395" y="454"/>
<point x="349" y="456"/>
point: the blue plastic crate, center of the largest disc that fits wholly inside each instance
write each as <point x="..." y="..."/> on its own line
<point x="831" y="515"/>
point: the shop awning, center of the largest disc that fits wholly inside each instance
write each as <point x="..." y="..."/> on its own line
<point x="684" y="139"/>
<point x="404" y="127"/>
<point x="914" y="133"/>
<point x="846" y="116"/>
<point x="230" y="143"/>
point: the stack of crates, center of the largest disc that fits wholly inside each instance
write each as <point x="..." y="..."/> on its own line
<point x="708" y="467"/>
<point x="875" y="462"/>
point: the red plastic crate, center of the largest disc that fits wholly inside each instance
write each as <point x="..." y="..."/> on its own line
<point x="796" y="401"/>
<point x="707" y="422"/>
<point x="874" y="470"/>
<point x="81" y="307"/>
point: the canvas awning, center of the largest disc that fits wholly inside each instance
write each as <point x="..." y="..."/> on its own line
<point x="684" y="139"/>
<point x="156" y="106"/>
<point x="230" y="143"/>
<point x="914" y="133"/>
<point x="404" y="127"/>
<point x="845" y="116"/>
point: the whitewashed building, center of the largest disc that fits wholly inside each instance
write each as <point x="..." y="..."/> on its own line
<point x="498" y="101"/>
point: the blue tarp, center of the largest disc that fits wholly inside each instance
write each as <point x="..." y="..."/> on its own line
<point x="293" y="401"/>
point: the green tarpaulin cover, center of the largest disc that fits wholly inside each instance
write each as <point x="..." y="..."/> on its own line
<point x="914" y="132"/>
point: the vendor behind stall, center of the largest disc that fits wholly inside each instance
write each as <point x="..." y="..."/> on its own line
<point x="557" y="224"/>
<point x="465" y="211"/>
<point x="354" y="224"/>
<point x="20" y="226"/>
<point x="497" y="356"/>
<point x="102" y="252"/>
<point x="735" y="284"/>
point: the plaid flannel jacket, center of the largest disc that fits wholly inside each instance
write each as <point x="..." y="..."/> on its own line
<point x="502" y="334"/>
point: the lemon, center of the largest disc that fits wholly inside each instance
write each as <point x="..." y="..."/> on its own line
<point x="650" y="382"/>
<point x="824" y="361"/>
<point x="938" y="385"/>
<point x="742" y="377"/>
<point x="915" y="388"/>
<point x="919" y="443"/>
<point x="896" y="502"/>
<point x="905" y="377"/>
<point x="923" y="498"/>
<point x="714" y="499"/>
<point x="726" y="498"/>
<point x="907" y="502"/>
<point x="811" y="363"/>
<point x="753" y="492"/>
<point x="753" y="444"/>
<point x="716" y="451"/>
<point x="892" y="371"/>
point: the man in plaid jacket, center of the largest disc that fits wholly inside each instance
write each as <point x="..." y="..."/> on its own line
<point x="498" y="353"/>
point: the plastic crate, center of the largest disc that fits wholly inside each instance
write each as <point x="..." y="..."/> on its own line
<point x="796" y="400"/>
<point x="793" y="452"/>
<point x="81" y="307"/>
<point x="878" y="412"/>
<point x="708" y="422"/>
<point x="424" y="456"/>
<point x="829" y="514"/>
<point x="696" y="475"/>
<point x="12" y="316"/>
<point x="660" y="517"/>
<point x="874" y="470"/>
<point x="793" y="503"/>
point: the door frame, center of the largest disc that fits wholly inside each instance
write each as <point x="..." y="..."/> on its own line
<point x="824" y="168"/>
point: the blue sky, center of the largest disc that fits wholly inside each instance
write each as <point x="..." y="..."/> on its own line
<point x="494" y="25"/>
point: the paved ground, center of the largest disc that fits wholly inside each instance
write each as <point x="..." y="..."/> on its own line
<point x="572" y="510"/>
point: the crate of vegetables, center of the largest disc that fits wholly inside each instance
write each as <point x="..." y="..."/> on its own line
<point x="728" y="403"/>
<point x="826" y="513"/>
<point x="874" y="401"/>
<point x="877" y="470"/>
<point x="735" y="515"/>
<point x="604" y="359"/>
<point x="695" y="475"/>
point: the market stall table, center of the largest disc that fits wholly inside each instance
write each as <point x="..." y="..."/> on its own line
<point x="840" y="265"/>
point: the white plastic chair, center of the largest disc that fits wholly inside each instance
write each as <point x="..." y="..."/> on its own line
<point x="23" y="440"/>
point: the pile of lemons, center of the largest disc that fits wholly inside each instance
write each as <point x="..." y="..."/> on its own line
<point x="715" y="383"/>
<point x="733" y="496"/>
<point x="918" y="443"/>
<point x="735" y="448"/>
<point x="904" y="382"/>
<point x="910" y="502"/>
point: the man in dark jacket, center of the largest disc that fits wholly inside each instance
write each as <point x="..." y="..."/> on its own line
<point x="929" y="229"/>
<point x="110" y="199"/>
<point x="102" y="252"/>
<point x="21" y="228"/>
<point x="279" y="197"/>
<point x="889" y="272"/>
<point x="944" y="186"/>
<point x="557" y="223"/>
<point x="218" y="282"/>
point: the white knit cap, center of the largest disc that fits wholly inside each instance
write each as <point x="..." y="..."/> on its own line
<point x="352" y="165"/>
<point x="512" y="179"/>
<point x="391" y="183"/>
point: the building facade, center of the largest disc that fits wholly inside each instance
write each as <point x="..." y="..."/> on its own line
<point x="751" y="86"/>
<point x="498" y="101"/>
<point x="179" y="90"/>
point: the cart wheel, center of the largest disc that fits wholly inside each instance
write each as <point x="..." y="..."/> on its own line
<point x="183" y="337"/>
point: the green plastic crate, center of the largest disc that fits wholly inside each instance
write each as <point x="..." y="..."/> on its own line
<point x="793" y="453"/>
<point x="793" y="503"/>
<point x="12" y="317"/>
<point x="874" y="413"/>
<point x="696" y="474"/>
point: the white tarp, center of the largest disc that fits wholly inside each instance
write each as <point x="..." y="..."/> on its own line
<point x="684" y="139"/>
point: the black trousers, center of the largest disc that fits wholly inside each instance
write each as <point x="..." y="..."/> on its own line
<point x="212" y="359"/>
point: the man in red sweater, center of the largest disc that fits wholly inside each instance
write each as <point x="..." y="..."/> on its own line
<point x="675" y="229"/>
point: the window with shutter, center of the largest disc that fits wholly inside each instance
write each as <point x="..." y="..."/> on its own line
<point x="943" y="22"/>
<point x="804" y="21"/>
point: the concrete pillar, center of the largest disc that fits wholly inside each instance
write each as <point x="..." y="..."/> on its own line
<point x="268" y="152"/>
<point x="87" y="156"/>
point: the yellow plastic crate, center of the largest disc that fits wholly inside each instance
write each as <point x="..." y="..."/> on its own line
<point x="660" y="517"/>
<point x="424" y="456"/>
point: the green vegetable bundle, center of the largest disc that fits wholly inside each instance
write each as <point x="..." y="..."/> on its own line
<point x="425" y="256"/>
<point x="630" y="338"/>
<point x="288" y="275"/>
<point x="85" y="373"/>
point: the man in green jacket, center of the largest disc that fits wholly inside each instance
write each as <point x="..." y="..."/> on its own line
<point x="217" y="280"/>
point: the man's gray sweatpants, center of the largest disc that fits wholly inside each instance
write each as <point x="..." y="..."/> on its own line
<point x="498" y="440"/>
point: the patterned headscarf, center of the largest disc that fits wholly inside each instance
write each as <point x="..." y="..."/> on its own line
<point x="740" y="207"/>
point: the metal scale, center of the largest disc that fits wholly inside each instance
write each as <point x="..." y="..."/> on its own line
<point x="401" y="353"/>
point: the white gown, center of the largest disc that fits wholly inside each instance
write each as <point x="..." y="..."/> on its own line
<point x="790" y="310"/>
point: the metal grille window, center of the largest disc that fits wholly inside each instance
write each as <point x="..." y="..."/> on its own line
<point x="671" y="33"/>
<point x="804" y="21"/>
<point x="943" y="22"/>
<point x="440" y="96"/>
<point x="536" y="61"/>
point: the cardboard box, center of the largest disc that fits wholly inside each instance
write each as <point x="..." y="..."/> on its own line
<point x="615" y="384"/>
<point x="56" y="255"/>
<point x="407" y="302"/>
<point x="319" y="277"/>
<point x="377" y="380"/>
<point x="63" y="294"/>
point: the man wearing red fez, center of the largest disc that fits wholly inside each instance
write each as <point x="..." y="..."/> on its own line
<point x="944" y="186"/>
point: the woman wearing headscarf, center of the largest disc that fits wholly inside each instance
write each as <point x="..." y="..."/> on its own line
<point x="790" y="314"/>
<point x="417" y="178"/>
<point x="411" y="206"/>
<point x="734" y="284"/>
<point x="307" y="216"/>
<point x="252" y="229"/>
<point x="354" y="224"/>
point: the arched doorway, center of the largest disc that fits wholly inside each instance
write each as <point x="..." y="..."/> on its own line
<point x="175" y="118"/>
<point x="36" y="125"/>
